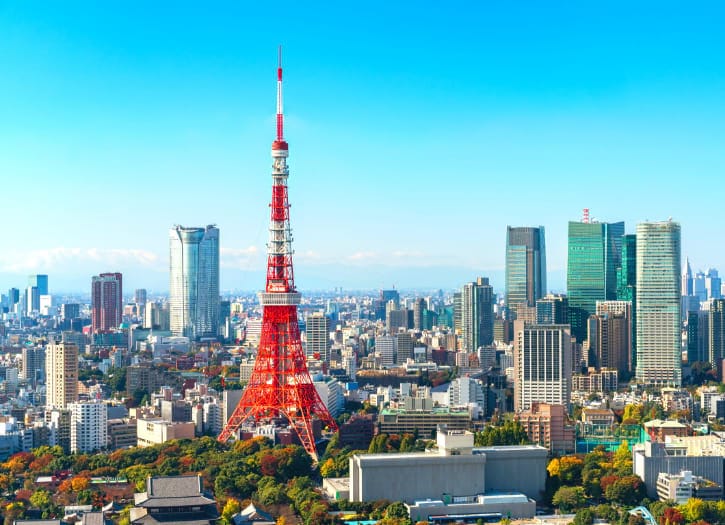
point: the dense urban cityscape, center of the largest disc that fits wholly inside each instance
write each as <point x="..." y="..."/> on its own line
<point x="512" y="403"/>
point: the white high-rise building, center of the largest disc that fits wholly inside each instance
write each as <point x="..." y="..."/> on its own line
<point x="464" y="391"/>
<point x="88" y="430"/>
<point x="542" y="365"/>
<point x="332" y="395"/>
<point x="194" y="281"/>
<point x="61" y="372"/>
<point x="659" y="354"/>
<point x="317" y="333"/>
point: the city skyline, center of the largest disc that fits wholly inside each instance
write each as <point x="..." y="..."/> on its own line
<point x="179" y="102"/>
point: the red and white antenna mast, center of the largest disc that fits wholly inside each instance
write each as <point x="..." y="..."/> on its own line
<point x="585" y="215"/>
<point x="280" y="109"/>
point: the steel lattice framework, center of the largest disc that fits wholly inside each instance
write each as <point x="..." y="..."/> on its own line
<point x="280" y="385"/>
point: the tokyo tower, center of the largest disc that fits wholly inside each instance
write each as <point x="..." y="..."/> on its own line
<point x="280" y="385"/>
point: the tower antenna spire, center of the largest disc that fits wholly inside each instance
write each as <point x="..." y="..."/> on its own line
<point x="280" y="112"/>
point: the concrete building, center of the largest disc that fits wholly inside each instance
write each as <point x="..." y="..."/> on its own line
<point x="386" y="348"/>
<point x="61" y="367"/>
<point x="457" y="470"/>
<point x="542" y="365"/>
<point x="702" y="455"/>
<point x="683" y="486"/>
<point x="121" y="433"/>
<point x="546" y="425"/>
<point x="33" y="364"/>
<point x="331" y="393"/>
<point x="416" y="417"/>
<point x="89" y="431"/>
<point x="595" y="381"/>
<point x="465" y="391"/>
<point x="156" y="431"/>
<point x="106" y="302"/>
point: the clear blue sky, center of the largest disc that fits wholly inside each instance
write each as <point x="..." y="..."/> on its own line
<point x="417" y="131"/>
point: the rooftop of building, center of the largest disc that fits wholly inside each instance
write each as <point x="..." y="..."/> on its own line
<point x="172" y="491"/>
<point x="435" y="410"/>
<point x="659" y="423"/>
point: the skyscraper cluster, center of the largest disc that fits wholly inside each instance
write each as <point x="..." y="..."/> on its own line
<point x="621" y="312"/>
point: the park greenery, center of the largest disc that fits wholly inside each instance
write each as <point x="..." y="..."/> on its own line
<point x="280" y="478"/>
<point x="600" y="485"/>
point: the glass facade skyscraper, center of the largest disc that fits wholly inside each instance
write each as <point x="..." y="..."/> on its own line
<point x="194" y="281"/>
<point x="525" y="266"/>
<point x="476" y="314"/>
<point x="659" y="359"/>
<point x="627" y="286"/>
<point x="595" y="250"/>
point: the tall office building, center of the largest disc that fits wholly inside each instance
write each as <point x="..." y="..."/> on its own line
<point x="697" y="328"/>
<point x="317" y="331"/>
<point x="40" y="282"/>
<point x="61" y="371"/>
<point x="106" y="301"/>
<point x="476" y="314"/>
<point x="716" y="347"/>
<point x="627" y="287"/>
<point x="525" y="266"/>
<point x="542" y="365"/>
<point x="139" y="296"/>
<point x="32" y="300"/>
<point x="194" y="281"/>
<point x="386" y="347"/>
<point x="659" y="359"/>
<point x="594" y="255"/>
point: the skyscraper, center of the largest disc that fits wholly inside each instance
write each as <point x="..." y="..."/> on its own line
<point x="476" y="314"/>
<point x="317" y="331"/>
<point x="40" y="282"/>
<point x="659" y="358"/>
<point x="542" y="365"/>
<point x="106" y="301"/>
<point x="610" y="335"/>
<point x="716" y="345"/>
<point x="61" y="371"/>
<point x="594" y="255"/>
<point x="627" y="287"/>
<point x="525" y="266"/>
<point x="194" y="281"/>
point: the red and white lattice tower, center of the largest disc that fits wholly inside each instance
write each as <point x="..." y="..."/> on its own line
<point x="280" y="385"/>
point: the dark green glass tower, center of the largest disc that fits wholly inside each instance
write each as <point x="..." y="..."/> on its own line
<point x="627" y="285"/>
<point x="595" y="250"/>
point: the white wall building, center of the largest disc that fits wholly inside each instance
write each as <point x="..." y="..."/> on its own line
<point x="89" y="429"/>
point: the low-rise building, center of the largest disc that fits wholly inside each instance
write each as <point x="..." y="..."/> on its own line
<point x="174" y="499"/>
<point x="457" y="469"/>
<point x="425" y="422"/>
<point x="156" y="431"/>
<point x="547" y="425"/>
<point x="683" y="486"/>
<point x="659" y="430"/>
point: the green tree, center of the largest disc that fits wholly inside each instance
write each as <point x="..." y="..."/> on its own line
<point x="396" y="510"/>
<point x="693" y="510"/>
<point x="584" y="517"/>
<point x="41" y="499"/>
<point x="569" y="498"/>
